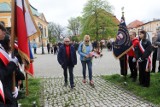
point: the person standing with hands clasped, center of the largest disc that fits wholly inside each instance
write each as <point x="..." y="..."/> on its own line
<point x="67" y="58"/>
<point x="86" y="59"/>
<point x="143" y="51"/>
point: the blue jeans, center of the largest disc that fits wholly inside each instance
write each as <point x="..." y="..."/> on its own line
<point x="89" y="64"/>
<point x="71" y="78"/>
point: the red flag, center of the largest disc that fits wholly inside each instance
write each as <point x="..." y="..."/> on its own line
<point x="21" y="31"/>
<point x="25" y="27"/>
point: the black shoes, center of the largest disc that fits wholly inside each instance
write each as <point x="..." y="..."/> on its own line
<point x="134" y="79"/>
<point x="65" y="84"/>
<point x="72" y="86"/>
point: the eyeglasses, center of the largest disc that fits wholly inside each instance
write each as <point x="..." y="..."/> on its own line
<point x="86" y="41"/>
<point x="66" y="41"/>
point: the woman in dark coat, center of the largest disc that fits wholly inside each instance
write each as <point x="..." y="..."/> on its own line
<point x="143" y="51"/>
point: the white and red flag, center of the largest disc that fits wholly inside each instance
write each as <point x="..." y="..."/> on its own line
<point x="25" y="28"/>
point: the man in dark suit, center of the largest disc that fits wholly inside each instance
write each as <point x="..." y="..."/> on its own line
<point x="67" y="58"/>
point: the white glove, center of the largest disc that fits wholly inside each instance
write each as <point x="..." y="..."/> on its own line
<point x="134" y="60"/>
<point x="140" y="60"/>
<point x="15" y="93"/>
<point x="15" y="60"/>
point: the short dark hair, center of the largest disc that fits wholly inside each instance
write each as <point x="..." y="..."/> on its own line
<point x="2" y="27"/>
<point x="144" y="32"/>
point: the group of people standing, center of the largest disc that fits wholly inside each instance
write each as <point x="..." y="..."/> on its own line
<point x="8" y="64"/>
<point x="139" y="58"/>
<point x="52" y="48"/>
<point x="67" y="58"/>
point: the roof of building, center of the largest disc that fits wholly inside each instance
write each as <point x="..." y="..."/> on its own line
<point x="34" y="11"/>
<point x="5" y="7"/>
<point x="155" y="20"/>
<point x="135" y="24"/>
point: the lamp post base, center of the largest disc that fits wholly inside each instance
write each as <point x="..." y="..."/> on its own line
<point x="43" y="50"/>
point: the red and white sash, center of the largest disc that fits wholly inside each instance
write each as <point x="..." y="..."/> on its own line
<point x="149" y="61"/>
<point x="4" y="57"/>
<point x="1" y="91"/>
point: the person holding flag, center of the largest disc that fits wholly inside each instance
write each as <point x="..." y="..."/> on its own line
<point x="7" y="66"/>
<point x="131" y="56"/>
<point x="122" y="45"/>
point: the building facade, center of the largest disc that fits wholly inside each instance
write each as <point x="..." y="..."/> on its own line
<point x="150" y="27"/>
<point x="5" y="16"/>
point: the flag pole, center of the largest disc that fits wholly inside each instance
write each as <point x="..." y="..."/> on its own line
<point x="27" y="93"/>
<point x="12" y="39"/>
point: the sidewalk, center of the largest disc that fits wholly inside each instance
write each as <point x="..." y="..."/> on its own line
<point x="105" y="94"/>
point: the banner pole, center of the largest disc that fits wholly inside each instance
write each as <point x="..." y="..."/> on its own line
<point x="13" y="39"/>
<point x="27" y="93"/>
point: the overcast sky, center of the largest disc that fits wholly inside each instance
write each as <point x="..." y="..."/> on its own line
<point x="59" y="11"/>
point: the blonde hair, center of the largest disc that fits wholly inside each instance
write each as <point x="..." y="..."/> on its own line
<point x="86" y="37"/>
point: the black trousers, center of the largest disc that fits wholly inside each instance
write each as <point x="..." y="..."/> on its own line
<point x="133" y="67"/>
<point x="154" y="59"/>
<point x="123" y="65"/>
<point x="35" y="50"/>
<point x="55" y="51"/>
<point x="48" y="48"/>
<point x="71" y="78"/>
<point x="144" y="76"/>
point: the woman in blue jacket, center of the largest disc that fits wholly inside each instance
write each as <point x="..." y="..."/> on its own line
<point x="86" y="59"/>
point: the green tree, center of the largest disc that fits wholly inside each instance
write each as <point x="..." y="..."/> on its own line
<point x="97" y="19"/>
<point x="75" y="38"/>
<point x="55" y="30"/>
<point x="74" y="26"/>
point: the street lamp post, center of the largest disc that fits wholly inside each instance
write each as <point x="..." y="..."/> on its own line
<point x="41" y="29"/>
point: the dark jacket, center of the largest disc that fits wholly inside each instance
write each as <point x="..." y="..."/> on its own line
<point x="62" y="58"/>
<point x="146" y="44"/>
<point x="158" y="44"/>
<point x="6" y="78"/>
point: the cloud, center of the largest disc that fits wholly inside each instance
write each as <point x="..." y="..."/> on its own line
<point x="59" y="11"/>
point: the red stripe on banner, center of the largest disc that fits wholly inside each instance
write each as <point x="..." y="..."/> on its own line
<point x="2" y="95"/>
<point x="31" y="71"/>
<point x="4" y="59"/>
<point x="22" y="32"/>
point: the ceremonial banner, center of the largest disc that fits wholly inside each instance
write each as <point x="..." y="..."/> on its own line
<point x="122" y="43"/>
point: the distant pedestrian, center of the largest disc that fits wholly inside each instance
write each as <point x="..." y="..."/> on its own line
<point x="35" y="47"/>
<point x="48" y="47"/>
<point x="55" y="49"/>
<point x="84" y="51"/>
<point x="67" y="58"/>
<point x="52" y="46"/>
